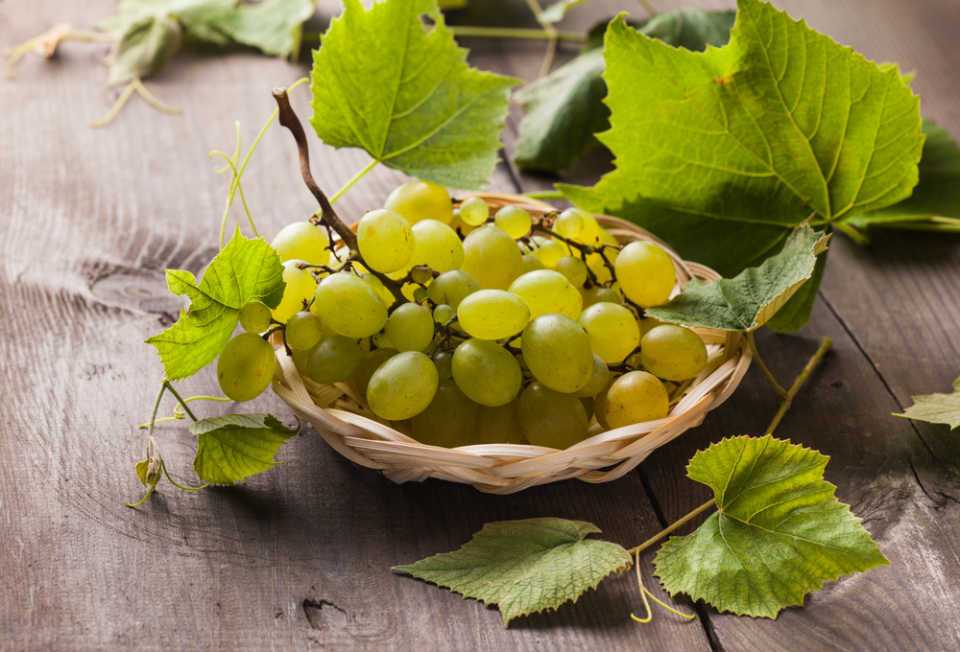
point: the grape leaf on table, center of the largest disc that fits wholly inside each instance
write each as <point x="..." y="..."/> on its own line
<point x="936" y="408"/>
<point x="143" y="48"/>
<point x="274" y="27"/>
<point x="400" y="89"/>
<point x="750" y="299"/>
<point x="524" y="566"/>
<point x="245" y="270"/>
<point x="779" y="531"/>
<point x="233" y="447"/>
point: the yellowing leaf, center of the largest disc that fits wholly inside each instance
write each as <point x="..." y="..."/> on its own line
<point x="234" y="447"/>
<point x="143" y="48"/>
<point x="936" y="408"/>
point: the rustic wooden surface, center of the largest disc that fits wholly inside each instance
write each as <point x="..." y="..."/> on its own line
<point x="300" y="557"/>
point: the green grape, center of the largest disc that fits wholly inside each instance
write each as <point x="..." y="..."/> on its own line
<point x="578" y="225"/>
<point x="303" y="331"/>
<point x="443" y="360"/>
<point x="598" y="294"/>
<point x="548" y="250"/>
<point x="548" y="292"/>
<point x="613" y="331"/>
<point x="348" y="306"/>
<point x="530" y="263"/>
<point x="645" y="273"/>
<point x="491" y="257"/>
<point x="450" y="420"/>
<point x="557" y="352"/>
<point x="551" y="419"/>
<point x="403" y="386"/>
<point x="486" y="372"/>
<point x="493" y="314"/>
<point x="437" y="246"/>
<point x="451" y="288"/>
<point x="499" y="425"/>
<point x="299" y="287"/>
<point x="410" y="327"/>
<point x="381" y="341"/>
<point x="246" y="366"/>
<point x="574" y="269"/>
<point x="646" y="324"/>
<point x="600" y="267"/>
<point x="673" y="352"/>
<point x="588" y="402"/>
<point x="302" y="241"/>
<point x="443" y="314"/>
<point x="634" y="397"/>
<point x="421" y="200"/>
<point x="255" y="317"/>
<point x="371" y="361"/>
<point x="474" y="211"/>
<point x="385" y="240"/>
<point x="334" y="359"/>
<point x="421" y="275"/>
<point x="599" y="379"/>
<point x="377" y="286"/>
<point x="514" y="221"/>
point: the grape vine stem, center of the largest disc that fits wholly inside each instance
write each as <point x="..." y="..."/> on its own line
<point x="764" y="369"/>
<point x="802" y="377"/>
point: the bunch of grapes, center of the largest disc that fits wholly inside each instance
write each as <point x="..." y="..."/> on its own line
<point x="464" y="325"/>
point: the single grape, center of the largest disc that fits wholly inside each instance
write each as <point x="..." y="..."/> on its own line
<point x="599" y="379"/>
<point x="255" y="317"/>
<point x="474" y="211"/>
<point x="557" y="352"/>
<point x="421" y="200"/>
<point x="246" y="366"/>
<point x="451" y="288"/>
<point x="646" y="324"/>
<point x="613" y="331"/>
<point x="574" y="269"/>
<point x="421" y="274"/>
<point x="371" y="361"/>
<point x="531" y="263"/>
<point x="385" y="240"/>
<point x="548" y="250"/>
<point x="493" y="314"/>
<point x="645" y="273"/>
<point x="302" y="241"/>
<point x="599" y="294"/>
<point x="551" y="419"/>
<point x="348" y="306"/>
<point x="450" y="420"/>
<point x="410" y="327"/>
<point x="491" y="257"/>
<point x="334" y="359"/>
<point x="377" y="286"/>
<point x="403" y="386"/>
<point x="673" y="352"/>
<point x="444" y="363"/>
<point x="601" y="268"/>
<point x="546" y="292"/>
<point x="634" y="397"/>
<point x="299" y="288"/>
<point x="303" y="331"/>
<point x="578" y="225"/>
<point x="514" y="220"/>
<point x="499" y="425"/>
<point x="486" y="372"/>
<point x="437" y="246"/>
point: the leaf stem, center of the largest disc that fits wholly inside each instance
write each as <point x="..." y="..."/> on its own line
<point x="649" y="8"/>
<point x="774" y="383"/>
<point x="183" y="404"/>
<point x="853" y="233"/>
<point x="802" y="377"/>
<point x="353" y="180"/>
<point x="676" y="525"/>
<point x="551" y="33"/>
<point x="545" y="194"/>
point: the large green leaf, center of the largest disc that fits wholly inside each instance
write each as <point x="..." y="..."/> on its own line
<point x="386" y="82"/>
<point x="245" y="270"/>
<point x="779" y="531"/>
<point x="272" y="26"/>
<point x="936" y="408"/>
<point x="524" y="566"/>
<point x="234" y="447"/>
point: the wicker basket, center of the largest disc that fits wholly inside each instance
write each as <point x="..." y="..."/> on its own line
<point x="344" y="421"/>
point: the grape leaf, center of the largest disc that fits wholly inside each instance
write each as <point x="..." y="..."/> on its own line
<point x="555" y="12"/>
<point x="272" y="26"/>
<point x="524" y="566"/>
<point x="384" y="81"/>
<point x="936" y="408"/>
<point x="143" y="48"/>
<point x="779" y="531"/>
<point x="245" y="270"/>
<point x="749" y="300"/>
<point x="233" y="447"/>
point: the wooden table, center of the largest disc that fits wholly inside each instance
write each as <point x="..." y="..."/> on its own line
<point x="300" y="557"/>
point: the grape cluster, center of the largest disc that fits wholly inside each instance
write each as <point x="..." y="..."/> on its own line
<point x="468" y="325"/>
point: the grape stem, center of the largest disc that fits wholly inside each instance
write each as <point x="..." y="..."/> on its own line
<point x="764" y="369"/>
<point x="585" y="250"/>
<point x="802" y="377"/>
<point x="353" y="180"/>
<point x="676" y="525"/>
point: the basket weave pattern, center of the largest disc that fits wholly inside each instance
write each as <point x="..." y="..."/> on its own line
<point x="343" y="420"/>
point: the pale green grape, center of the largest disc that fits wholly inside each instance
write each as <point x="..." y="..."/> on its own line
<point x="514" y="220"/>
<point x="421" y="274"/>
<point x="548" y="292"/>
<point x="634" y="397"/>
<point x="246" y="366"/>
<point x="299" y="288"/>
<point x="646" y="324"/>
<point x="450" y="420"/>
<point x="348" y="306"/>
<point x="599" y="379"/>
<point x="410" y="327"/>
<point x="437" y="246"/>
<point x="673" y="352"/>
<point x="491" y="257"/>
<point x="443" y="314"/>
<point x="474" y="211"/>
<point x="444" y="363"/>
<point x="385" y="240"/>
<point x="303" y="331"/>
<point x="531" y="263"/>
<point x="451" y="288"/>
<point x="600" y="267"/>
<point x="578" y="225"/>
<point x="499" y="425"/>
<point x="421" y="200"/>
<point x="371" y="361"/>
<point x="557" y="352"/>
<point x="645" y="273"/>
<point x="492" y="314"/>
<point x="574" y="269"/>
<point x="377" y="286"/>
<point x="255" y="317"/>
<point x="548" y="250"/>
<point x="486" y="372"/>
<point x="598" y="294"/>
<point x="334" y="359"/>
<point x="613" y="331"/>
<point x="302" y="241"/>
<point x="551" y="419"/>
<point x="403" y="386"/>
